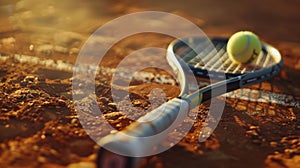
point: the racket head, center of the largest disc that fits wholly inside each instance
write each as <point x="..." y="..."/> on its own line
<point x="213" y="62"/>
<point x="184" y="72"/>
<point x="206" y="63"/>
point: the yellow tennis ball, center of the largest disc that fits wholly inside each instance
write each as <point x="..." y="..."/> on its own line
<point x="243" y="47"/>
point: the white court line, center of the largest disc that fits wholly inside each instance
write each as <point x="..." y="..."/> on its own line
<point x="265" y="97"/>
<point x="242" y="94"/>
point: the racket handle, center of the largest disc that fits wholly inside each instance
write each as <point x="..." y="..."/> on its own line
<point x="146" y="133"/>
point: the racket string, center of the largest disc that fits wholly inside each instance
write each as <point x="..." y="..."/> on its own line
<point x="188" y="54"/>
<point x="219" y="64"/>
<point x="205" y="57"/>
<point x="198" y="60"/>
<point x="214" y="58"/>
<point x="268" y="61"/>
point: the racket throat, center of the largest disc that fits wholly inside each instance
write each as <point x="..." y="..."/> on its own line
<point x="213" y="90"/>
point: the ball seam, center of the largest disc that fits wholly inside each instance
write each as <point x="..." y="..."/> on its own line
<point x="246" y="48"/>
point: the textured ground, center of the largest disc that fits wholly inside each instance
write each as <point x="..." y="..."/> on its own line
<point x="38" y="123"/>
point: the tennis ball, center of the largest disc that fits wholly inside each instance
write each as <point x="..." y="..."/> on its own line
<point x="243" y="47"/>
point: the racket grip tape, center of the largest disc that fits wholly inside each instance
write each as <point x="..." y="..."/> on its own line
<point x="147" y="131"/>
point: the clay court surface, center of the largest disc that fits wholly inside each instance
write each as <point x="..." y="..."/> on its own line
<point x="39" y="43"/>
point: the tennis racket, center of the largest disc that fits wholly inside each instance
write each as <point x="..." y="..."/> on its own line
<point x="205" y="61"/>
